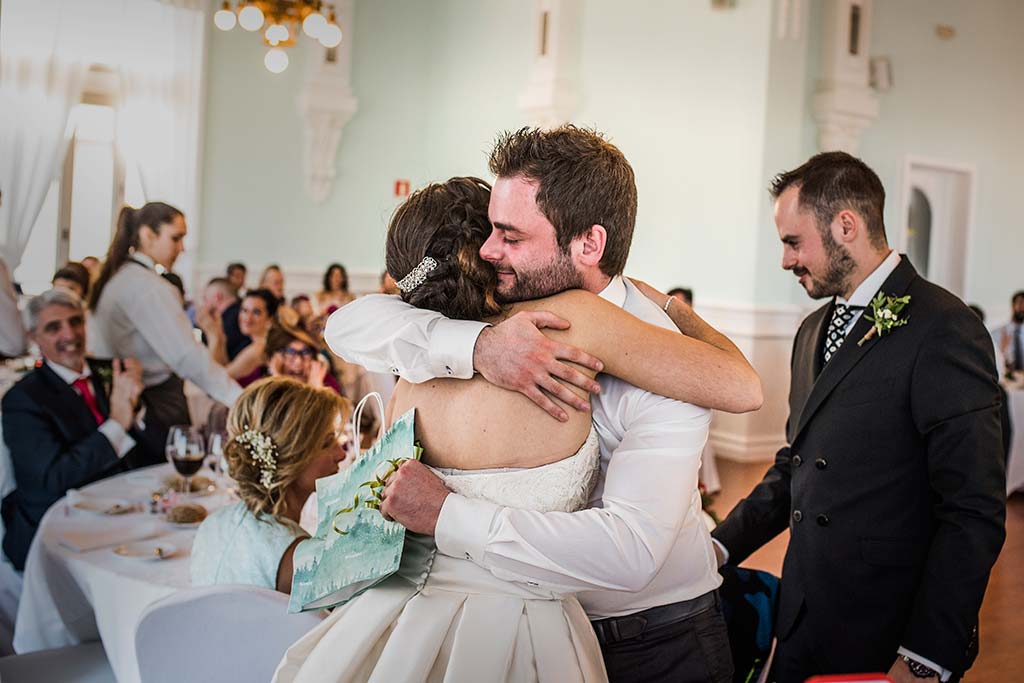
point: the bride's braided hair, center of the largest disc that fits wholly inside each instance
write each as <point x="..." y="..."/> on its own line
<point x="448" y="222"/>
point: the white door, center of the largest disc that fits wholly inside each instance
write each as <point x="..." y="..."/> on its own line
<point x="936" y="220"/>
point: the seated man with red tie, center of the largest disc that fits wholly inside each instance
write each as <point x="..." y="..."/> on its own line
<point x="69" y="422"/>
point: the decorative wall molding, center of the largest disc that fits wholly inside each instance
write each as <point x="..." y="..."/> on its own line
<point x="844" y="104"/>
<point x="752" y="321"/>
<point x="297" y="281"/>
<point x="551" y="96"/>
<point x="326" y="104"/>
<point x="746" y="449"/>
<point x="790" y="19"/>
<point x="765" y="335"/>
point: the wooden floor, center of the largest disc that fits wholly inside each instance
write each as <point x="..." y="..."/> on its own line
<point x="1001" y="657"/>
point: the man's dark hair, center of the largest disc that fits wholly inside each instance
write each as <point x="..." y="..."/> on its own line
<point x="833" y="181"/>
<point x="1016" y="295"/>
<point x="685" y="292"/>
<point x="76" y="272"/>
<point x="583" y="180"/>
<point x="271" y="301"/>
<point x="232" y="267"/>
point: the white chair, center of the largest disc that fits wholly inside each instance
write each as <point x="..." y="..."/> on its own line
<point x="216" y="634"/>
<point x="81" y="663"/>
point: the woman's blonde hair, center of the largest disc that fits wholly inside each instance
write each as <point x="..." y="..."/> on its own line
<point x="297" y="418"/>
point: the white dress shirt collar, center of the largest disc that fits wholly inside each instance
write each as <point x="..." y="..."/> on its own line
<point x="67" y="374"/>
<point x="615" y="291"/>
<point x="144" y="260"/>
<point x="863" y="295"/>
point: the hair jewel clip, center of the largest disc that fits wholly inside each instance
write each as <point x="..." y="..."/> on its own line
<point x="418" y="275"/>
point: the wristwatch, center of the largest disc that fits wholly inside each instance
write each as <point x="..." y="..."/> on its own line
<point x="919" y="670"/>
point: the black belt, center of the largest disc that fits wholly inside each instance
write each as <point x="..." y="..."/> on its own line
<point x="616" y="629"/>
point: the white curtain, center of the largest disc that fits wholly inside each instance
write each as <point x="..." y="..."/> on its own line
<point x="41" y="78"/>
<point x="159" y="117"/>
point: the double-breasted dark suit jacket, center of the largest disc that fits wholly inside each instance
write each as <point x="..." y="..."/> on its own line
<point x="55" y="445"/>
<point x="892" y="486"/>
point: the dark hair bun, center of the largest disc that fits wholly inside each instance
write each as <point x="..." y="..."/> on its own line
<point x="446" y="221"/>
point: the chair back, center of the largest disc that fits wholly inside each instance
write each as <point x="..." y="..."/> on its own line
<point x="217" y="633"/>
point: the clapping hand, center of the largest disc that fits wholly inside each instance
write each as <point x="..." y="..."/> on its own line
<point x="210" y="322"/>
<point x="317" y="372"/>
<point x="516" y="355"/>
<point x="126" y="390"/>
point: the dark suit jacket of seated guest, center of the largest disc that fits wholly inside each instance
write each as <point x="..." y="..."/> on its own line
<point x="55" y="445"/>
<point x="234" y="340"/>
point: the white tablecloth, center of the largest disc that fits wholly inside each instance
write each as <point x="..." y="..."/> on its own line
<point x="1015" y="467"/>
<point x="70" y="598"/>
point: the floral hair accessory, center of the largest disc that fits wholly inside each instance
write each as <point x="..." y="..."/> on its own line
<point x="263" y="452"/>
<point x="418" y="275"/>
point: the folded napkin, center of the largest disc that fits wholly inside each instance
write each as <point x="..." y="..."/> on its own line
<point x="102" y="504"/>
<point x="84" y="540"/>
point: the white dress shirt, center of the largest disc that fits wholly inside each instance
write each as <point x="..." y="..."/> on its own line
<point x="641" y="544"/>
<point x="140" y="316"/>
<point x="866" y="291"/>
<point x="120" y="440"/>
<point x="1007" y="331"/>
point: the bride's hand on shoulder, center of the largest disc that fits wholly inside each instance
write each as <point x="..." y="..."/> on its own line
<point x="515" y="355"/>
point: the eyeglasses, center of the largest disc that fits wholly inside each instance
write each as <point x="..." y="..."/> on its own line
<point x="291" y="353"/>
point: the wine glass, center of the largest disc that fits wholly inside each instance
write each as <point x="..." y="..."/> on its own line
<point x="185" y="451"/>
<point x="215" y="443"/>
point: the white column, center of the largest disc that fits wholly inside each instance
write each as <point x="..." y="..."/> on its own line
<point x="844" y="103"/>
<point x="326" y="104"/>
<point x="550" y="97"/>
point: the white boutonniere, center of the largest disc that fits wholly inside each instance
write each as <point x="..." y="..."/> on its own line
<point x="885" y="314"/>
<point x="106" y="375"/>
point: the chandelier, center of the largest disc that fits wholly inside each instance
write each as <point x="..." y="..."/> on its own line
<point x="282" y="19"/>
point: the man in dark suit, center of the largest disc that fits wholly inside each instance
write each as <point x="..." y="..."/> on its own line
<point x="893" y="482"/>
<point x="68" y="422"/>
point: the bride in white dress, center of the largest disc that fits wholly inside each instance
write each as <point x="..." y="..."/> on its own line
<point x="442" y="618"/>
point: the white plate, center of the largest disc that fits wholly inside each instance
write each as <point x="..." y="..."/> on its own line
<point x="146" y="550"/>
<point x="184" y="525"/>
<point x="103" y="506"/>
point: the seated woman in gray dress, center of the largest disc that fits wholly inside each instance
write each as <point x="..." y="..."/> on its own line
<point x="284" y="436"/>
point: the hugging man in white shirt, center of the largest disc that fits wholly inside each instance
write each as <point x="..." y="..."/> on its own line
<point x="563" y="209"/>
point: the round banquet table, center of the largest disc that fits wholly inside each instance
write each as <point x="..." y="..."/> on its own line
<point x="73" y="597"/>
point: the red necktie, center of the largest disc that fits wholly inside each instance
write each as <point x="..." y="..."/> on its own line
<point x="82" y="384"/>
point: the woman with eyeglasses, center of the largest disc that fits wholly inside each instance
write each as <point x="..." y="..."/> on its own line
<point x="292" y="352"/>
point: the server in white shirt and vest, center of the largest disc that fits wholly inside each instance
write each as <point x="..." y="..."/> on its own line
<point x="137" y="314"/>
<point x="640" y="557"/>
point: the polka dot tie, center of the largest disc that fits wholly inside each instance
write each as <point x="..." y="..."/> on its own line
<point x="836" y="335"/>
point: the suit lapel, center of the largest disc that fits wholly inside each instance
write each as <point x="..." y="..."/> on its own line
<point x="805" y="371"/>
<point x="851" y="353"/>
<point x="65" y="403"/>
<point x="99" y="388"/>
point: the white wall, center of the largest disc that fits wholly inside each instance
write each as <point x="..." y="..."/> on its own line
<point x="678" y="86"/>
<point x="961" y="101"/>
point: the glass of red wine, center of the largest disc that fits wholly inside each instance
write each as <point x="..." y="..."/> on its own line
<point x="186" y="451"/>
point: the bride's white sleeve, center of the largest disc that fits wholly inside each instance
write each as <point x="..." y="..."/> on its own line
<point x="382" y="333"/>
<point x="620" y="546"/>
